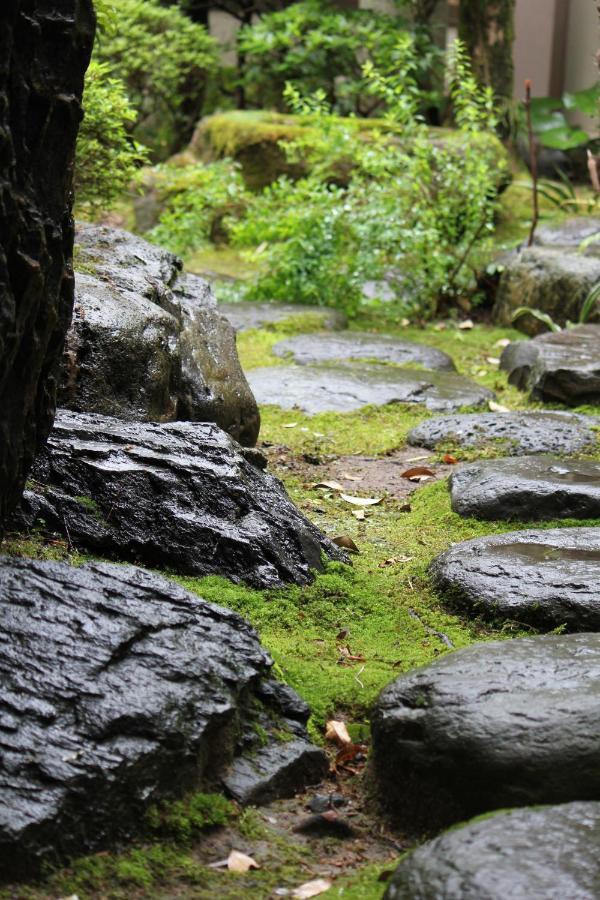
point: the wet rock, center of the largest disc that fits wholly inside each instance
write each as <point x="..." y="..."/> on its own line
<point x="561" y="366"/>
<point x="554" y="276"/>
<point x="355" y="345"/>
<point x="495" y="725"/>
<point x="119" y="689"/>
<point x="538" y="487"/>
<point x="245" y="316"/>
<point x="538" y="854"/>
<point x="276" y="770"/>
<point x="546" y="578"/>
<point x="344" y="388"/>
<point x="515" y="433"/>
<point x="147" y="342"/>
<point x="180" y="495"/>
<point x="44" y="53"/>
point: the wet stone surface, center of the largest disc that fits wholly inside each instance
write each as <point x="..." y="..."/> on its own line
<point x="562" y="366"/>
<point x="345" y="388"/>
<point x="516" y="433"/>
<point x="538" y="854"/>
<point x="245" y="316"/>
<point x="121" y="688"/>
<point x="535" y="487"/>
<point x="495" y="725"/>
<point x="355" y="345"/>
<point x="546" y="578"/>
<point x="181" y="495"/>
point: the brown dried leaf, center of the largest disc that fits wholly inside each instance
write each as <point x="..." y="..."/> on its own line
<point x="345" y="541"/>
<point x="337" y="733"/>
<point x="497" y="407"/>
<point x="239" y="862"/>
<point x="449" y="459"/>
<point x="466" y="325"/>
<point x="312" y="889"/>
<point x="332" y="485"/>
<point x="358" y="514"/>
<point x="417" y="472"/>
<point x="361" y="501"/>
<point x="348" y="477"/>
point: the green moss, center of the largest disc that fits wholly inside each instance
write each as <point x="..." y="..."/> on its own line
<point x="182" y="820"/>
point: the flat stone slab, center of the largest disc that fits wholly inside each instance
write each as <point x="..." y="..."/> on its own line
<point x="546" y="578"/>
<point x="245" y="316"/>
<point x="344" y="388"/>
<point x="561" y="366"/>
<point x="182" y="495"/>
<point x="495" y="725"/>
<point x="120" y="688"/>
<point x="536" y="487"/>
<point x="517" y="433"/>
<point x="532" y="854"/>
<point x="571" y="234"/>
<point x="354" y="345"/>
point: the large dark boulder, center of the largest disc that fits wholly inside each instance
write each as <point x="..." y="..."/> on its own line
<point x="120" y="688"/>
<point x="147" y="342"/>
<point x="512" y="433"/>
<point x="549" y="853"/>
<point x="530" y="488"/>
<point x="181" y="495"/>
<point x="510" y="723"/>
<point x="559" y="366"/>
<point x="44" y="52"/>
<point x="546" y="579"/>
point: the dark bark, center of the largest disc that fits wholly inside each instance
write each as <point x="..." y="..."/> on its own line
<point x="44" y="51"/>
<point x="487" y="29"/>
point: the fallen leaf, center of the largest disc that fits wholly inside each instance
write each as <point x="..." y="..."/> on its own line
<point x="481" y="373"/>
<point x="332" y="485"/>
<point x="348" y="477"/>
<point x="239" y="862"/>
<point x="346" y="654"/>
<point x="342" y="634"/>
<point x="417" y="472"/>
<point x="395" y="560"/>
<point x="419" y="458"/>
<point x="503" y="342"/>
<point x="493" y="360"/>
<point x="466" y="325"/>
<point x="358" y="514"/>
<point x="345" y="541"/>
<point x="349" y="753"/>
<point x="337" y="733"/>
<point x="361" y="501"/>
<point x="312" y="889"/>
<point x="290" y="425"/>
<point x="406" y="507"/>
<point x="449" y="459"/>
<point x="497" y="407"/>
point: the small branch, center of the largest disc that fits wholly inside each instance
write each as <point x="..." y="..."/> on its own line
<point x="533" y="160"/>
<point x="592" y="164"/>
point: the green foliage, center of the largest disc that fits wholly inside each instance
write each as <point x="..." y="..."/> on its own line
<point x="163" y="59"/>
<point x="550" y="123"/>
<point x="197" y="201"/>
<point x="588" y="307"/>
<point x="412" y="212"/>
<point x="107" y="156"/>
<point x="319" y="47"/>
<point x="182" y="820"/>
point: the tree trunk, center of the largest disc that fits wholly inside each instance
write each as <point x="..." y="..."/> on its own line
<point x="45" y="48"/>
<point x="487" y="29"/>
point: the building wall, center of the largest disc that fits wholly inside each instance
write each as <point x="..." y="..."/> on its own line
<point x="583" y="41"/>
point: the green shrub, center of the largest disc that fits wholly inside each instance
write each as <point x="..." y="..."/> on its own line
<point x="319" y="47"/>
<point x="163" y="58"/>
<point x="107" y="156"/>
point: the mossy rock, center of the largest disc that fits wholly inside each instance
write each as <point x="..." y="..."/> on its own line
<point x="252" y="138"/>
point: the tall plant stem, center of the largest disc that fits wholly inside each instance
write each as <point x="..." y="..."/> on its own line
<point x="533" y="160"/>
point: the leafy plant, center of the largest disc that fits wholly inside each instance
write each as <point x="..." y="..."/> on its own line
<point x="550" y="123"/>
<point x="318" y="47"/>
<point x="163" y="58"/>
<point x="107" y="156"/>
<point x="587" y="308"/>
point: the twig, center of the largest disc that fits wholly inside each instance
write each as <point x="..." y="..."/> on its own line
<point x="533" y="161"/>
<point x="592" y="164"/>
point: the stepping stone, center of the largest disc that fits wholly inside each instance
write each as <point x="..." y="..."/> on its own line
<point x="538" y="487"/>
<point x="120" y="688"/>
<point x="345" y="388"/>
<point x="316" y="348"/>
<point x="182" y="495"/>
<point x="532" y="854"/>
<point x="247" y="315"/>
<point x="546" y="578"/>
<point x="562" y="366"/>
<point x="518" y="433"/>
<point x="495" y="725"/>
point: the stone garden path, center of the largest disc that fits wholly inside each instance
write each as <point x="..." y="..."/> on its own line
<point x="510" y="723"/>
